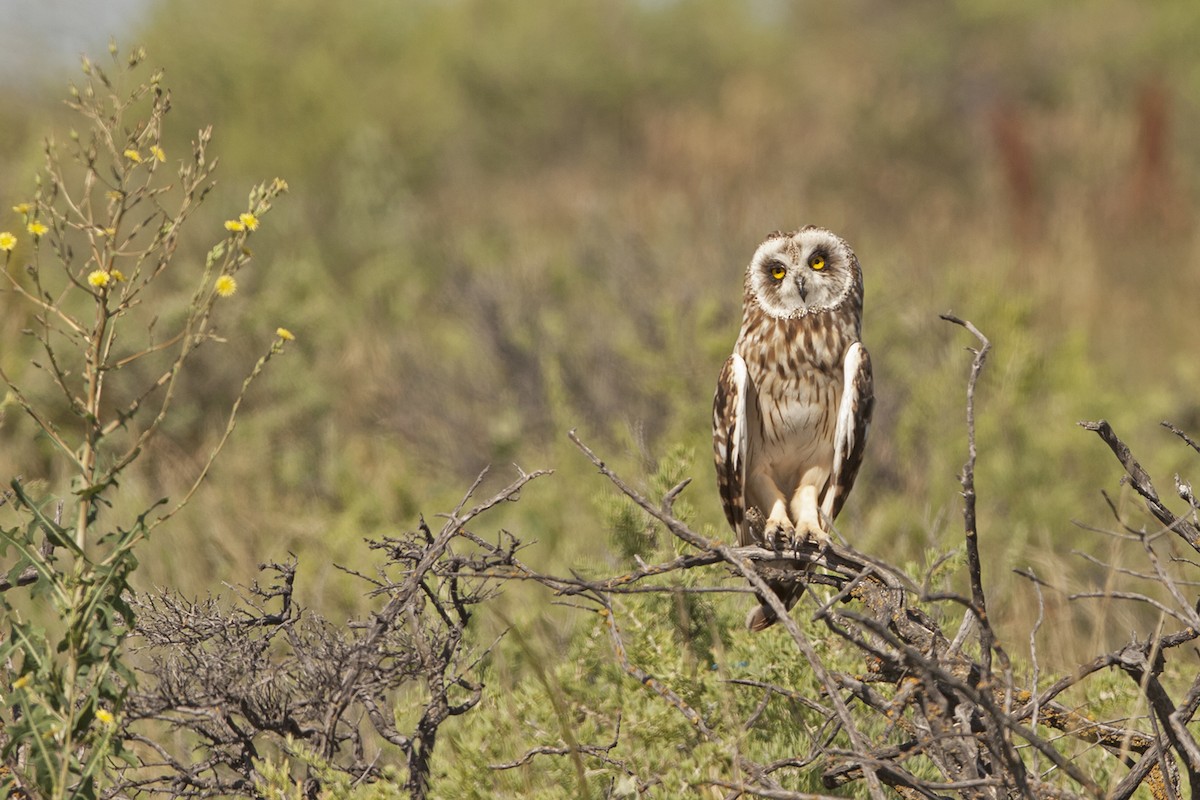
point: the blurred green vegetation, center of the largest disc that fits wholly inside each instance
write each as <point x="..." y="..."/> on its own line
<point x="509" y="220"/>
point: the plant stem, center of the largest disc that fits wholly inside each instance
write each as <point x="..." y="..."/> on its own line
<point x="94" y="367"/>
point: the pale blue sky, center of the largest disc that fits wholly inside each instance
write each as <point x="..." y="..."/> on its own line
<point x="40" y="34"/>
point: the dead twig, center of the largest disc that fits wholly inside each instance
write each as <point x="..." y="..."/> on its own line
<point x="1141" y="483"/>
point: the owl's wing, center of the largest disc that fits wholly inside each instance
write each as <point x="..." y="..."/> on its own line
<point x="731" y="424"/>
<point x="850" y="434"/>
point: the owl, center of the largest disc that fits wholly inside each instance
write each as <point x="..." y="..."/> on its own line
<point x="794" y="401"/>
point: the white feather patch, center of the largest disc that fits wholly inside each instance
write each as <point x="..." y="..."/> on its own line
<point x="847" y="430"/>
<point x="739" y="436"/>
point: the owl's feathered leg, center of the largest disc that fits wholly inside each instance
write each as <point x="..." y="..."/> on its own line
<point x="807" y="513"/>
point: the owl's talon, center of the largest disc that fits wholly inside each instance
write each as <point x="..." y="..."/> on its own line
<point x="779" y="535"/>
<point x="823" y="547"/>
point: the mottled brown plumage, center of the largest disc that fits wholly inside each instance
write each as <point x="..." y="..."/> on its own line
<point x="794" y="401"/>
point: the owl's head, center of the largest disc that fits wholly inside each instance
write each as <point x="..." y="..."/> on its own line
<point x="801" y="273"/>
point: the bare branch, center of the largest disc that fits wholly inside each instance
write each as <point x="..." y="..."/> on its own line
<point x="1189" y="441"/>
<point x="1140" y="481"/>
<point x="974" y="568"/>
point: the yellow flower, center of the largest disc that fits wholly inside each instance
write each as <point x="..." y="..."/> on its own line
<point x="7" y="241"/>
<point x="23" y="681"/>
<point x="22" y="208"/>
<point x="36" y="228"/>
<point x="233" y="225"/>
<point x="226" y="285"/>
<point x="116" y="275"/>
<point x="110" y="232"/>
<point x="105" y="716"/>
<point x="158" y="153"/>
<point x="249" y="221"/>
<point x="98" y="278"/>
<point x="285" y="334"/>
<point x="133" y="155"/>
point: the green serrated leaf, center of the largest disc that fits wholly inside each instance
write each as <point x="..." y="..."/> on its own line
<point x="55" y="532"/>
<point x="15" y="573"/>
<point x="6" y="538"/>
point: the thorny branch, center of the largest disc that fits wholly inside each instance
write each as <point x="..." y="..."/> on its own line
<point x="271" y="670"/>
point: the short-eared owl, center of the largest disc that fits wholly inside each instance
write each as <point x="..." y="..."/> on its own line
<point x="794" y="401"/>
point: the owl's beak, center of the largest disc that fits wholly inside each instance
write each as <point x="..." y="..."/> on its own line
<point x="801" y="287"/>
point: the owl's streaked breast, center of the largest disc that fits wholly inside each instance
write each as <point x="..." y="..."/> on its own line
<point x="795" y="367"/>
<point x="784" y="357"/>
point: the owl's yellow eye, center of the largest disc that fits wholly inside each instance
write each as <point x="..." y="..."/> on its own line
<point x="817" y="262"/>
<point x="777" y="272"/>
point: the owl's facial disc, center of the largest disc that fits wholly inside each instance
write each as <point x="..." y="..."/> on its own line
<point x="806" y="272"/>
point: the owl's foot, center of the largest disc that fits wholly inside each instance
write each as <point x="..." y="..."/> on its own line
<point x="807" y="512"/>
<point x="779" y="535"/>
<point x="810" y="530"/>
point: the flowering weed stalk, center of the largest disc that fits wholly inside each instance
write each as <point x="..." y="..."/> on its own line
<point x="100" y="232"/>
